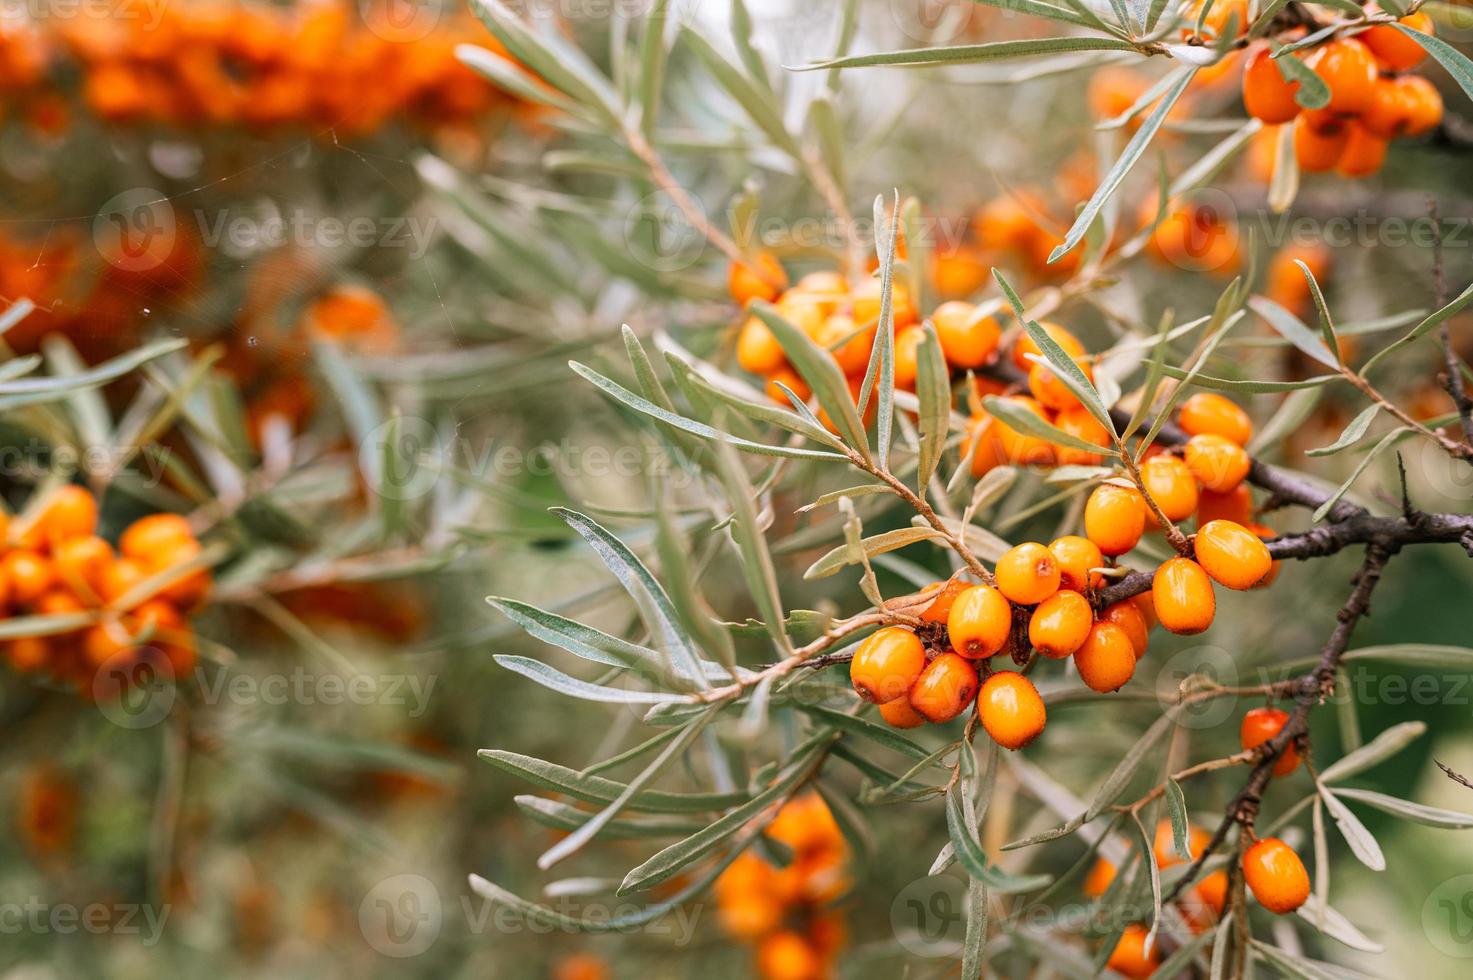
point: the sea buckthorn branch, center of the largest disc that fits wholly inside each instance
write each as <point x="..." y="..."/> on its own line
<point x="1328" y="539"/>
<point x="1311" y="689"/>
<point x="1452" y="376"/>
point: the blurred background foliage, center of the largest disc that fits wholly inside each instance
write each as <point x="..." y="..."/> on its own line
<point x="506" y="238"/>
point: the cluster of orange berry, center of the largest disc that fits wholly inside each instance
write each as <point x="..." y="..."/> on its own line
<point x="786" y="911"/>
<point x="1372" y="100"/>
<point x="844" y="321"/>
<point x="1047" y="593"/>
<point x="58" y="565"/>
<point x="261" y="65"/>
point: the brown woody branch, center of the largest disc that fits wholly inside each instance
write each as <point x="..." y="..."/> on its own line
<point x="1311" y="690"/>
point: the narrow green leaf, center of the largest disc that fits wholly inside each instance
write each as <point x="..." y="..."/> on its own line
<point x="641" y="585"/>
<point x="597" y="789"/>
<point x="1351" y="434"/>
<point x="757" y="564"/>
<point x="933" y="391"/>
<point x="1292" y="329"/>
<point x="1120" y="776"/>
<point x="1312" y="92"/>
<point x="1456" y="63"/>
<point x="1362" y="844"/>
<point x="668" y="862"/>
<point x="821" y="373"/>
<point x="575" y="841"/>
<point x="1176" y="809"/>
<point x="1387" y="441"/>
<point x="972" y="53"/>
<point x="1420" y="813"/>
<point x="1019" y="417"/>
<point x="971" y="856"/>
<point x="647" y="407"/>
<point x="1122" y="166"/>
<point x="878" y="544"/>
<point x="554" y="679"/>
<point x="562" y="816"/>
<point x="863" y="727"/>
<point x="1430" y="322"/>
<point x="1379" y="749"/>
<point x="757" y="102"/>
<point x="581" y="641"/>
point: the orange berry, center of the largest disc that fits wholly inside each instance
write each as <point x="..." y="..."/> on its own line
<point x="581" y="966"/>
<point x="27" y="653"/>
<point x="29" y="574"/>
<point x="1394" y="49"/>
<point x="1009" y="707"/>
<point x="1233" y="555"/>
<point x="945" y="688"/>
<point x="105" y="641"/>
<point x="940" y="607"/>
<point x="1101" y="873"/>
<point x="979" y="622"/>
<point x="1318" y="150"/>
<point x="1364" y="153"/>
<point x="1051" y="392"/>
<point x="1128" y="616"/>
<point x="967" y="340"/>
<point x="58" y="602"/>
<point x="1204" y="905"/>
<point x="757" y="349"/>
<point x="1027" y="574"/>
<point x="71" y="513"/>
<point x="1390" y="113"/>
<point x="1275" y="875"/>
<point x="866" y="300"/>
<point x="792" y="380"/>
<point x="1182" y="595"/>
<point x="1020" y="449"/>
<point x="1163" y="845"/>
<point x="1171" y="485"/>
<point x="1107" y="658"/>
<point x="1075" y="556"/>
<point x="763" y="279"/>
<point x="1206" y="412"/>
<point x="1060" y="624"/>
<point x="1266" y="93"/>
<point x="1349" y="69"/>
<point x="1265" y="534"/>
<point x="1235" y="505"/>
<point x="984" y="446"/>
<point x="1058" y="334"/>
<point x="907" y="354"/>
<point x="787" y="955"/>
<point x="1260" y="725"/>
<point x="1147" y="606"/>
<point x="850" y="347"/>
<point x="1078" y="422"/>
<point x="148" y="537"/>
<point x="899" y="714"/>
<point x="802" y="311"/>
<point x="886" y="664"/>
<point x="1114" y="518"/>
<point x="1130" y="959"/>
<point x="119" y="577"/>
<point x="1218" y="464"/>
<point x="81" y="565"/>
<point x="1426" y="104"/>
